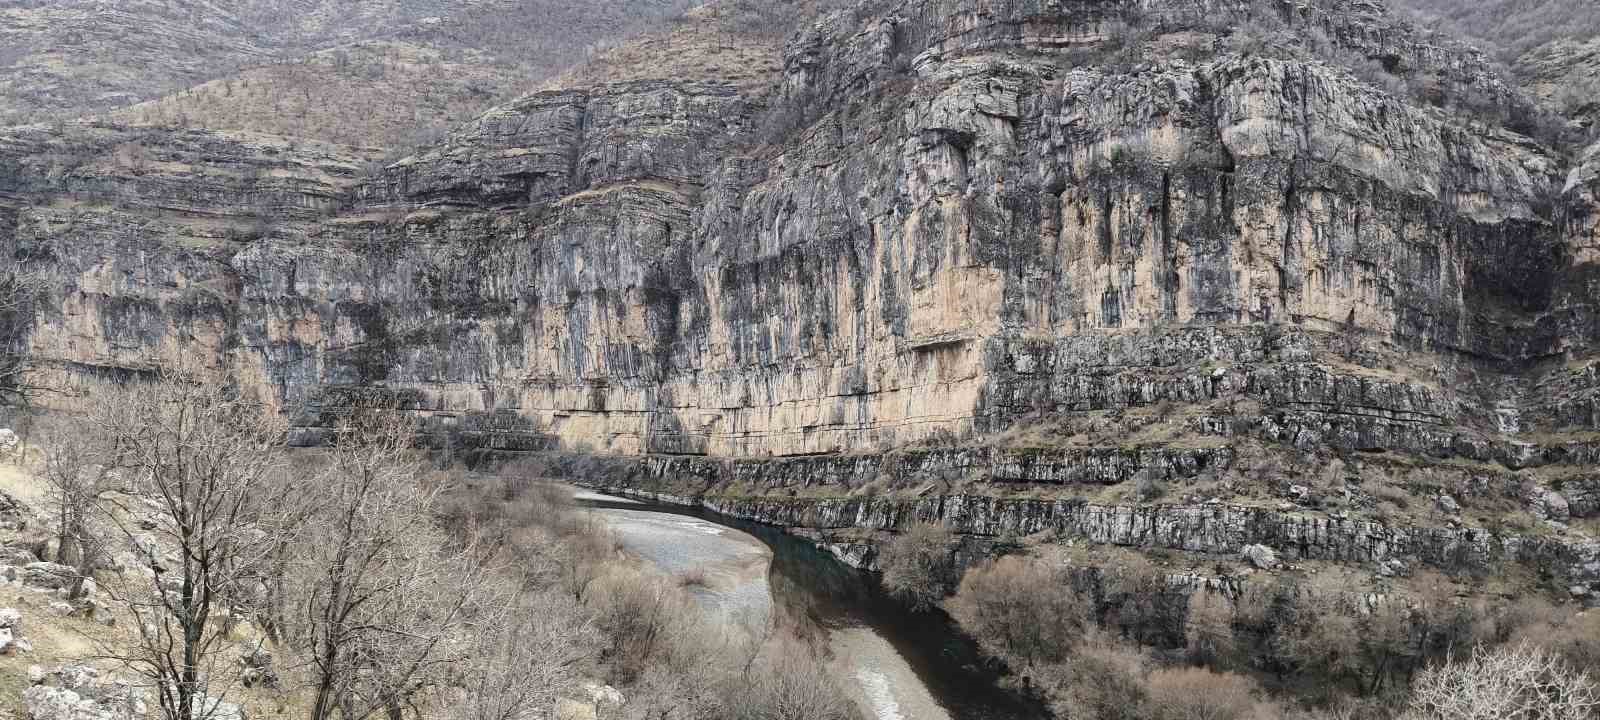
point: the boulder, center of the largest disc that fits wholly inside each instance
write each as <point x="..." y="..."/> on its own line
<point x="256" y="664"/>
<point x="1551" y="505"/>
<point x="569" y="709"/>
<point x="48" y="575"/>
<point x="1448" y="505"/>
<point x="1262" y="557"/>
<point x="11" y="619"/>
<point x="604" y="695"/>
<point x="13" y="514"/>
<point x="51" y="703"/>
<point x="208" y="708"/>
<point x="8" y="442"/>
<point x="18" y="556"/>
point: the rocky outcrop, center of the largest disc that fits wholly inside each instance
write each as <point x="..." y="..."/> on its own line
<point x="11" y="639"/>
<point x="78" y="692"/>
<point x="920" y="221"/>
<point x="1571" y="563"/>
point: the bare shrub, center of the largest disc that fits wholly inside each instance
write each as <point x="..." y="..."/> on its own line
<point x="526" y="655"/>
<point x="917" y="565"/>
<point x="1026" y="608"/>
<point x="637" y="612"/>
<point x="1102" y="680"/>
<point x="788" y="683"/>
<point x="1508" y="683"/>
<point x="1198" y="694"/>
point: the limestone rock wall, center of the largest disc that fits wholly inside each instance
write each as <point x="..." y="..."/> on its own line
<point x="853" y="526"/>
<point x="941" y="218"/>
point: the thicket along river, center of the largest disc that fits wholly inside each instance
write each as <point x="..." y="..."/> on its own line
<point x="895" y="664"/>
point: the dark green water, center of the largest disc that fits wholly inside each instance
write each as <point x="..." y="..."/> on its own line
<point x="812" y="585"/>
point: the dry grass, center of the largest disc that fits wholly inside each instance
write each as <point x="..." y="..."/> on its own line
<point x="384" y="94"/>
<point x="704" y="45"/>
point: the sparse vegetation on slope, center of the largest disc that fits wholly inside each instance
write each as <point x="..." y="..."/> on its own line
<point x="379" y="94"/>
<point x="1180" y="648"/>
<point x="67" y="59"/>
<point x="1550" y="44"/>
<point x="1511" y="28"/>
<point x="230" y="576"/>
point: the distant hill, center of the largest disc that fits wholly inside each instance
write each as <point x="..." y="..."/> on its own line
<point x="1549" y="43"/>
<point x="427" y="62"/>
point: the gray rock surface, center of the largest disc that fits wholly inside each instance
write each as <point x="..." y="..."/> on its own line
<point x="51" y="703"/>
<point x="955" y="235"/>
<point x="48" y="575"/>
<point x="970" y="252"/>
<point x="1262" y="557"/>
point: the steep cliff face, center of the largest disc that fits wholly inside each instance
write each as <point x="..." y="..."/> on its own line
<point x="916" y="221"/>
<point x="891" y="272"/>
<point x="654" y="265"/>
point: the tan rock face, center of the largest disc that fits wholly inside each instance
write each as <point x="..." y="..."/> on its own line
<point x="934" y="222"/>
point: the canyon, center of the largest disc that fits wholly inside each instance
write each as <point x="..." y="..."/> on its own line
<point x="1020" y="266"/>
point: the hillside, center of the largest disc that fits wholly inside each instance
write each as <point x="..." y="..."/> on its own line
<point x="1513" y="28"/>
<point x="399" y="94"/>
<point x="380" y="93"/>
<point x="69" y="59"/>
<point x="1548" y="43"/>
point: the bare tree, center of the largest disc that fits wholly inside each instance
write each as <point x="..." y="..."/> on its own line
<point x="80" y="468"/>
<point x="196" y="452"/>
<point x="18" y="294"/>
<point x="1507" y="683"/>
<point x="384" y="598"/>
<point x="279" y="513"/>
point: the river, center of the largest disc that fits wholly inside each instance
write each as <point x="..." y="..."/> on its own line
<point x="895" y="664"/>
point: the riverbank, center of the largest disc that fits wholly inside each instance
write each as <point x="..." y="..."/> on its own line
<point x="724" y="569"/>
<point x="894" y="664"/>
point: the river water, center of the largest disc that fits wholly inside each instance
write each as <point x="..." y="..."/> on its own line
<point x="896" y="664"/>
